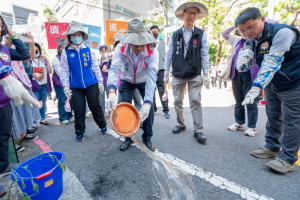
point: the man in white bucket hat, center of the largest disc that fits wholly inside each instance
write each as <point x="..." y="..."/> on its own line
<point x="82" y="79"/>
<point x="188" y="52"/>
<point x="138" y="61"/>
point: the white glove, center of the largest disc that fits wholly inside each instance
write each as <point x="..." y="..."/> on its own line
<point x="101" y="87"/>
<point x="144" y="112"/>
<point x="15" y="90"/>
<point x="244" y="59"/>
<point x="251" y="95"/>
<point x="111" y="102"/>
<point x="206" y="81"/>
<point x="68" y="92"/>
<point x="246" y="52"/>
<point x="166" y="79"/>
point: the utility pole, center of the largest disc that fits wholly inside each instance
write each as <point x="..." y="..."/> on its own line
<point x="109" y="7"/>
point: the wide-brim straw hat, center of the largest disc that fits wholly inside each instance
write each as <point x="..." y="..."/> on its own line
<point x="203" y="12"/>
<point x="138" y="33"/>
<point x="75" y="27"/>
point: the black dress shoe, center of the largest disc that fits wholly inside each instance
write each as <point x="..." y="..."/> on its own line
<point x="125" y="145"/>
<point x="200" y="137"/>
<point x="149" y="145"/>
<point x="32" y="130"/>
<point x="178" y="129"/>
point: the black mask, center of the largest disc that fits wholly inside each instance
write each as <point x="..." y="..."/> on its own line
<point x="155" y="35"/>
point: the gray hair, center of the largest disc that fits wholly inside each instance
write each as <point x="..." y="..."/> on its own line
<point x="248" y="14"/>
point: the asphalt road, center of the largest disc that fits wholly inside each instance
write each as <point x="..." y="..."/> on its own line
<point x="106" y="173"/>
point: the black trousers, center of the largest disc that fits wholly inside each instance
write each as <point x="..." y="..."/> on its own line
<point x="91" y="94"/>
<point x="5" y="132"/>
<point x="161" y="89"/>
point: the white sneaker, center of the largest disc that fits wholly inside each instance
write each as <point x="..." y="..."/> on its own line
<point x="72" y="119"/>
<point x="236" y="127"/>
<point x="64" y="122"/>
<point x="87" y="115"/>
<point x="251" y="132"/>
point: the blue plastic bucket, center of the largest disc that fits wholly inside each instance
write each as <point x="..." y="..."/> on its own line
<point x="41" y="177"/>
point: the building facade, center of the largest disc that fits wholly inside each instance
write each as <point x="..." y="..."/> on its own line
<point x="95" y="12"/>
<point x="16" y="12"/>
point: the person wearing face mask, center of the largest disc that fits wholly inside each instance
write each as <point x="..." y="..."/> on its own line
<point x="43" y="87"/>
<point x="64" y="116"/>
<point x="104" y="64"/>
<point x="188" y="52"/>
<point x="81" y="78"/>
<point x="160" y="45"/>
<point x="138" y="61"/>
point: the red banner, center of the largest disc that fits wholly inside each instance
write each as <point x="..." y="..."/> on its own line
<point x="56" y="33"/>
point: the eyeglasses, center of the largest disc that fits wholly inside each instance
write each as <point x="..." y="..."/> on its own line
<point x="190" y="13"/>
<point x="249" y="28"/>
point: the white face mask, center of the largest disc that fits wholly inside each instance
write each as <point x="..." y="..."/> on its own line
<point x="104" y="55"/>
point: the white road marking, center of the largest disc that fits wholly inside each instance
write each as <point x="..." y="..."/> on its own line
<point x="211" y="178"/>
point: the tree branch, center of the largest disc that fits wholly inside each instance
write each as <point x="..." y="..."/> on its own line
<point x="294" y="21"/>
<point x="227" y="11"/>
<point x="291" y="9"/>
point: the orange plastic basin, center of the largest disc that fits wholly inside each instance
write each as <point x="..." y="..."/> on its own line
<point x="125" y="119"/>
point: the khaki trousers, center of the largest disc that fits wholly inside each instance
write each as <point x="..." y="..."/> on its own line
<point x="194" y="90"/>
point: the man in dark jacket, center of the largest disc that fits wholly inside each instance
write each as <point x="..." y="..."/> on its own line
<point x="277" y="52"/>
<point x="188" y="52"/>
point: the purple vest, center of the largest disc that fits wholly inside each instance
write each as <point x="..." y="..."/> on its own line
<point x="5" y="59"/>
<point x="55" y="78"/>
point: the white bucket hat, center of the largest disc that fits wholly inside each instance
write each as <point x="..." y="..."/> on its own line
<point x="182" y="7"/>
<point x="118" y="37"/>
<point x="138" y="33"/>
<point x="76" y="27"/>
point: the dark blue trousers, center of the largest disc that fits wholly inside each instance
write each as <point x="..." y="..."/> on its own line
<point x="283" y="125"/>
<point x="241" y="84"/>
<point x="126" y="92"/>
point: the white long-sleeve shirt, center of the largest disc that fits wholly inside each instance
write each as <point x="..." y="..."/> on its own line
<point x="65" y="69"/>
<point x="56" y="66"/>
<point x="187" y="36"/>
